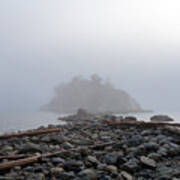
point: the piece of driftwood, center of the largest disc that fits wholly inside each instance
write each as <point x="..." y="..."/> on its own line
<point x="29" y="133"/>
<point x="13" y="157"/>
<point x="35" y="159"/>
<point x="141" y="124"/>
<point x="30" y="160"/>
<point x="175" y="130"/>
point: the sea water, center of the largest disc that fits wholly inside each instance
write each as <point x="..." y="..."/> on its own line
<point x="12" y="122"/>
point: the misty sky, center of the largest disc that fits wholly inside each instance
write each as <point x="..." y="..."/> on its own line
<point x="134" y="43"/>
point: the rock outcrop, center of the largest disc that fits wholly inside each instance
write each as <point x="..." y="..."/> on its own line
<point x="161" y="118"/>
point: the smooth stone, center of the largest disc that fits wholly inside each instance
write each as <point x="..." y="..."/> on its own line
<point x="147" y="161"/>
<point x="151" y="146"/>
<point x="67" y="176"/>
<point x="132" y="165"/>
<point x="92" y="160"/>
<point x="30" y="148"/>
<point x="111" y="158"/>
<point x="88" y="174"/>
<point x="126" y="175"/>
<point x="154" y="156"/>
<point x="73" y="165"/>
<point x="161" y="118"/>
<point x="36" y="176"/>
<point x="17" y="168"/>
<point x="6" y="148"/>
<point x="135" y="140"/>
<point x="67" y="146"/>
<point x="112" y="169"/>
<point x="56" y="172"/>
<point x="58" y="160"/>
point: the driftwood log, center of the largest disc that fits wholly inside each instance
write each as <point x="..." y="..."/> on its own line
<point x="29" y="160"/>
<point x="13" y="157"/>
<point x="39" y="158"/>
<point x="141" y="124"/>
<point x="29" y="133"/>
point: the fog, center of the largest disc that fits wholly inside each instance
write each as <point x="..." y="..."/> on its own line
<point x="133" y="43"/>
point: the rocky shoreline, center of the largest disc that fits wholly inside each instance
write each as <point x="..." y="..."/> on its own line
<point x="92" y="150"/>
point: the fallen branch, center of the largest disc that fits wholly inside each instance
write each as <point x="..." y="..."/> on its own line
<point x="35" y="159"/>
<point x="141" y="124"/>
<point x="29" y="133"/>
<point x="175" y="130"/>
<point x="29" y="160"/>
<point x="12" y="157"/>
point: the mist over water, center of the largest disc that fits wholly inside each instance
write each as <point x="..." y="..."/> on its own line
<point x="135" y="44"/>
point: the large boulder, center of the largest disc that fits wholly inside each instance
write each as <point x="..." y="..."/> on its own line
<point x="161" y="118"/>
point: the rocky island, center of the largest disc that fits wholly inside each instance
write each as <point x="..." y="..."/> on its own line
<point x="94" y="94"/>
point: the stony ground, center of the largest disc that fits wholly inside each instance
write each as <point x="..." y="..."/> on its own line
<point x="127" y="153"/>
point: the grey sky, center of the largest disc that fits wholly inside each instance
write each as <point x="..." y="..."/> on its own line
<point x="134" y="43"/>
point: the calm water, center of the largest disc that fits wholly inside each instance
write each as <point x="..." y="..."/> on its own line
<point x="10" y="122"/>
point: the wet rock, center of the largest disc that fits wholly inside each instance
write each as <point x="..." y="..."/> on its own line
<point x="131" y="166"/>
<point x="105" y="177"/>
<point x="154" y="156"/>
<point x="73" y="165"/>
<point x="35" y="177"/>
<point x="88" y="174"/>
<point x="130" y="119"/>
<point x="151" y="146"/>
<point x="56" y="172"/>
<point x="57" y="139"/>
<point x="30" y="148"/>
<point x="58" y="160"/>
<point x="111" y="158"/>
<point x="93" y="160"/>
<point x="135" y="140"/>
<point x="6" y="148"/>
<point x="67" y="176"/>
<point x="161" y="118"/>
<point x="112" y="169"/>
<point x="148" y="162"/>
<point x="67" y="145"/>
<point x="126" y="175"/>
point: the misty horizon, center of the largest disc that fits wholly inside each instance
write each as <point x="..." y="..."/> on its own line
<point x="134" y="44"/>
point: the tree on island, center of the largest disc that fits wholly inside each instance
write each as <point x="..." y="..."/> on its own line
<point x="94" y="95"/>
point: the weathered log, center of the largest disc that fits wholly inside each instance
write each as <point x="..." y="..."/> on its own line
<point x="13" y="157"/>
<point x="35" y="159"/>
<point x="29" y="133"/>
<point x="141" y="124"/>
<point x="175" y="130"/>
<point x="29" y="160"/>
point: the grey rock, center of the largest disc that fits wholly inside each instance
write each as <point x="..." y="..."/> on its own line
<point x="67" y="145"/>
<point x="135" y="140"/>
<point x="93" y="160"/>
<point x="154" y="156"/>
<point x="73" y="165"/>
<point x="67" y="176"/>
<point x="30" y="148"/>
<point x="161" y="118"/>
<point x="88" y="174"/>
<point x="56" y="172"/>
<point x="131" y="166"/>
<point x="126" y="175"/>
<point x="148" y="162"/>
<point x="111" y="158"/>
